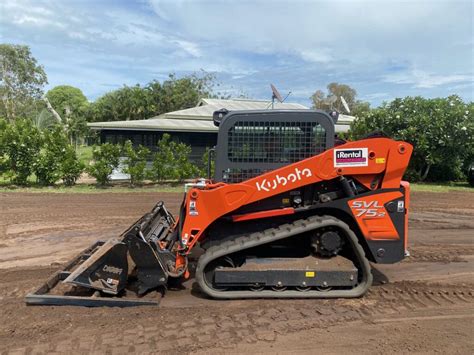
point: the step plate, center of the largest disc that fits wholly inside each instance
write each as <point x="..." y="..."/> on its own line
<point x="308" y="271"/>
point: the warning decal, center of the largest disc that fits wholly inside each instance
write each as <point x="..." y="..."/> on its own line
<point x="350" y="157"/>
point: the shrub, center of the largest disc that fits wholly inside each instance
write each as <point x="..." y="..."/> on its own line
<point x="47" y="166"/>
<point x="164" y="167"/>
<point x="3" y="157"/>
<point x="185" y="169"/>
<point x="135" y="162"/>
<point x="205" y="162"/>
<point x="71" y="167"/>
<point x="21" y="147"/>
<point x="171" y="161"/>
<point x="105" y="160"/>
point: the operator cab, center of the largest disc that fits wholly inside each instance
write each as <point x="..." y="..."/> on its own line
<point x="251" y="143"/>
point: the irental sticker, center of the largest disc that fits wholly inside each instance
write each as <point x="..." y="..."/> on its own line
<point x="350" y="157"/>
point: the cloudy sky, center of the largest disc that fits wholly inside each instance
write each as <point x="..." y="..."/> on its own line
<point x="384" y="49"/>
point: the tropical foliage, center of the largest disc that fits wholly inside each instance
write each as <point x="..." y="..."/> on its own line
<point x="171" y="161"/>
<point x="441" y="131"/>
<point x="105" y="158"/>
<point x="135" y="162"/>
<point x="21" y="82"/>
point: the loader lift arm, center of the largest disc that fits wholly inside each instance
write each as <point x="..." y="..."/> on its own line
<point x="387" y="159"/>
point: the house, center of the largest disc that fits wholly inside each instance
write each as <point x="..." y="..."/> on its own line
<point x="193" y="126"/>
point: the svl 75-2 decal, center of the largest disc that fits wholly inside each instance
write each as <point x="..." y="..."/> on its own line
<point x="367" y="209"/>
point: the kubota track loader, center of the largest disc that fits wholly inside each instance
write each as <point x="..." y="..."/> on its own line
<point x="287" y="214"/>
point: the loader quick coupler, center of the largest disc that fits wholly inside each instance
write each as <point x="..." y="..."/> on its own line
<point x="150" y="264"/>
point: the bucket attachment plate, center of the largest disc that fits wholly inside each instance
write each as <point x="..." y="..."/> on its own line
<point x="47" y="294"/>
<point x="105" y="270"/>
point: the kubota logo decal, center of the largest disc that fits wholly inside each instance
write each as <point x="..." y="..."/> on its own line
<point x="298" y="175"/>
<point x="367" y="209"/>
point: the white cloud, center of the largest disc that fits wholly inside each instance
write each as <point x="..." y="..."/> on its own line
<point x="351" y="41"/>
<point x="375" y="95"/>
<point x="300" y="46"/>
<point x="422" y="79"/>
<point x="29" y="14"/>
<point x="36" y="21"/>
<point x="316" y="56"/>
<point x="354" y="31"/>
<point x="189" y="47"/>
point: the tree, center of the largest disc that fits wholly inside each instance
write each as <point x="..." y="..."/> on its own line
<point x="57" y="159"/>
<point x="135" y="162"/>
<point x="72" y="105"/>
<point x="205" y="164"/>
<point x="21" y="81"/>
<point x="3" y="157"/>
<point x="21" y="146"/>
<point x="441" y="131"/>
<point x="360" y="108"/>
<point x="469" y="159"/>
<point x="184" y="167"/>
<point x="44" y="120"/>
<point x="124" y="104"/>
<point x="177" y="94"/>
<point x="163" y="167"/>
<point x="171" y="161"/>
<point x="25" y="150"/>
<point x="155" y="98"/>
<point x="47" y="166"/>
<point x="322" y="101"/>
<point x="71" y="166"/>
<point x="318" y="100"/>
<point x="105" y="159"/>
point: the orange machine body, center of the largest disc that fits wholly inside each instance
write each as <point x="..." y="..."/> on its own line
<point x="381" y="169"/>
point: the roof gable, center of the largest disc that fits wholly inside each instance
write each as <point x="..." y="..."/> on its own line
<point x="206" y="107"/>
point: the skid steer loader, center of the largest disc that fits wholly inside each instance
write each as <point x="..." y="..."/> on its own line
<point x="287" y="214"/>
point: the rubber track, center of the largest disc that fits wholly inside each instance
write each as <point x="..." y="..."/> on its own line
<point x="271" y="235"/>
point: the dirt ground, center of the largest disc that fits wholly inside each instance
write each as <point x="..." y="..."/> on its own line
<point x="424" y="304"/>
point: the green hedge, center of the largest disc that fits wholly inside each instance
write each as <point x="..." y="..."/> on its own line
<point x="25" y="151"/>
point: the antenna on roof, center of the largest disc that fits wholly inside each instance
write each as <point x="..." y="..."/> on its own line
<point x="276" y="95"/>
<point x="344" y="103"/>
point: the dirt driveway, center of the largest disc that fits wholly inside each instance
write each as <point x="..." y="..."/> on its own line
<point x="424" y="304"/>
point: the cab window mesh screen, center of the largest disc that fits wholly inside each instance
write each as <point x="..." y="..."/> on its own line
<point x="275" y="142"/>
<point x="235" y="175"/>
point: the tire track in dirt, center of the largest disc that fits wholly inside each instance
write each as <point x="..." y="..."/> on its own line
<point x="213" y="327"/>
<point x="443" y="253"/>
<point x="440" y="233"/>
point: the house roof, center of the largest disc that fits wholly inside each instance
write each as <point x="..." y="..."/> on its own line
<point x="158" y="124"/>
<point x="199" y="118"/>
<point x="206" y="107"/>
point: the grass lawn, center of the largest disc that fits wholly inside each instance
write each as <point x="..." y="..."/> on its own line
<point x="439" y="187"/>
<point x="84" y="153"/>
<point x="5" y="186"/>
<point x="91" y="188"/>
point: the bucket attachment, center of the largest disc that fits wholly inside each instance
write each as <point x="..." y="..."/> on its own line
<point x="134" y="261"/>
<point x="106" y="270"/>
<point x="52" y="293"/>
